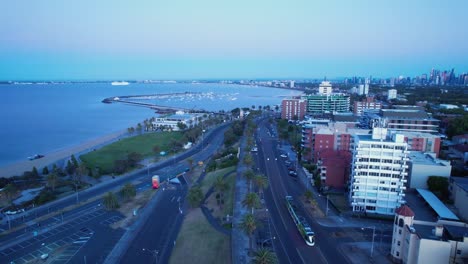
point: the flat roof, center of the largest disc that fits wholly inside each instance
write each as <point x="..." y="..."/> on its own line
<point x="425" y="159"/>
<point x="437" y="205"/>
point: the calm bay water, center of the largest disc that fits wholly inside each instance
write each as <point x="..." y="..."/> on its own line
<point x="40" y="118"/>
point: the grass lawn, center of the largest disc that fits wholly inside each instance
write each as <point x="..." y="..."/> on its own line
<point x="198" y="242"/>
<point x="104" y="157"/>
<point x="210" y="178"/>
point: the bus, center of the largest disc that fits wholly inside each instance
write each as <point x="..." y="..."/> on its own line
<point x="301" y="224"/>
<point x="155" y="181"/>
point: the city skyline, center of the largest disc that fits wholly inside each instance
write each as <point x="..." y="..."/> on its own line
<point x="210" y="40"/>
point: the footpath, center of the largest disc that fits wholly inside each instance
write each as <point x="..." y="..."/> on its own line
<point x="239" y="240"/>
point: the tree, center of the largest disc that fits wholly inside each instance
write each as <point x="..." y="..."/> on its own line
<point x="261" y="182"/>
<point x="110" y="201"/>
<point x="308" y="195"/>
<point x="156" y="150"/>
<point x="52" y="180"/>
<point x="249" y="175"/>
<point x="34" y="171"/>
<point x="10" y="191"/>
<point x="195" y="196"/>
<point x="248" y="160"/>
<point x="45" y="170"/>
<point x="128" y="191"/>
<point x="220" y="185"/>
<point x="133" y="159"/>
<point x="120" y="166"/>
<point x="139" y="128"/>
<point x="190" y="162"/>
<point x="181" y="126"/>
<point x="70" y="168"/>
<point x="80" y="172"/>
<point x="264" y="256"/>
<point x="251" y="200"/>
<point x="74" y="161"/>
<point x="438" y="185"/>
<point x="248" y="225"/>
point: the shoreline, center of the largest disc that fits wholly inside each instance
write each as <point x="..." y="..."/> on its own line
<point x="60" y="155"/>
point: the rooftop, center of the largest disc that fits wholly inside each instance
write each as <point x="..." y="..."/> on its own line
<point x="404" y="211"/>
<point x="461" y="181"/>
<point x="437" y="205"/>
<point x="420" y="158"/>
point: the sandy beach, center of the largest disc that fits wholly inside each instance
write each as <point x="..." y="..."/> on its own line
<point x="17" y="169"/>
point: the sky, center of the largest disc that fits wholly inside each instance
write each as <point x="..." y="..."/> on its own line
<point x="216" y="39"/>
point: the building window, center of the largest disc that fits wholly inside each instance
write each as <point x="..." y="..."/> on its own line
<point x="458" y="251"/>
<point x="398" y="243"/>
<point x="397" y="253"/>
<point x="399" y="231"/>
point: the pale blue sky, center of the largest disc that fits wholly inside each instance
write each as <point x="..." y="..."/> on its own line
<point x="176" y="39"/>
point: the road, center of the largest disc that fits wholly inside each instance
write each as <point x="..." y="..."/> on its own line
<point x="289" y="246"/>
<point x="55" y="232"/>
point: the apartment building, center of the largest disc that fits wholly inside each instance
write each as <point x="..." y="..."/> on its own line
<point x="293" y="108"/>
<point x="378" y="172"/>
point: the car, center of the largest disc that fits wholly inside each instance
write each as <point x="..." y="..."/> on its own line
<point x="254" y="149"/>
<point x="283" y="155"/>
<point x="287" y="162"/>
<point x="293" y="174"/>
<point x="37" y="156"/>
<point x="291" y="168"/>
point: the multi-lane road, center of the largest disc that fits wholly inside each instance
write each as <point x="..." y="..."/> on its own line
<point x="83" y="233"/>
<point x="289" y="245"/>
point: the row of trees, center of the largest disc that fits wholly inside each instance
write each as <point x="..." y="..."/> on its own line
<point x="111" y="200"/>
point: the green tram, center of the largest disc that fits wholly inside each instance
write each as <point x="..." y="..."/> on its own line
<point x="302" y="226"/>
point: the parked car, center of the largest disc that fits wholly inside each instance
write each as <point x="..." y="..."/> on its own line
<point x="287" y="162"/>
<point x="293" y="174"/>
<point x="283" y="155"/>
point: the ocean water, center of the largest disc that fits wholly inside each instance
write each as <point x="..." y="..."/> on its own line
<point x="40" y="118"/>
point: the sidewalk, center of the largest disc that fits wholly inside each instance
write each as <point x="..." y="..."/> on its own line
<point x="239" y="240"/>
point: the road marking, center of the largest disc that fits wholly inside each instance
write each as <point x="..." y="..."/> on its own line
<point x="299" y="253"/>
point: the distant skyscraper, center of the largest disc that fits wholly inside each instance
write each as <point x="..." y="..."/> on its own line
<point x="291" y="84"/>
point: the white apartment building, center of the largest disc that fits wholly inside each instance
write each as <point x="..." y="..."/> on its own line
<point x="392" y="94"/>
<point x="325" y="88"/>
<point x="378" y="172"/>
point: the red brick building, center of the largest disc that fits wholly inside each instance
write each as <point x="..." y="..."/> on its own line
<point x="293" y="108"/>
<point x="334" y="167"/>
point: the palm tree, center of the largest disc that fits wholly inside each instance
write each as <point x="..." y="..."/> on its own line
<point x="52" y="180"/>
<point x="110" y="201"/>
<point x="195" y="196"/>
<point x="10" y="191"/>
<point x="249" y="175"/>
<point x="248" y="160"/>
<point x="190" y="162"/>
<point x="80" y="172"/>
<point x="261" y="182"/>
<point x="264" y="256"/>
<point x="128" y="191"/>
<point x="220" y="186"/>
<point x="251" y="200"/>
<point x="248" y="225"/>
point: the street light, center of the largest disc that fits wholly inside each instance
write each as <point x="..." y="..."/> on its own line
<point x="326" y="213"/>
<point x="373" y="235"/>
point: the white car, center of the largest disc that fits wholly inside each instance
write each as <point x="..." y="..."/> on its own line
<point x="254" y="149"/>
<point x="283" y="155"/>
